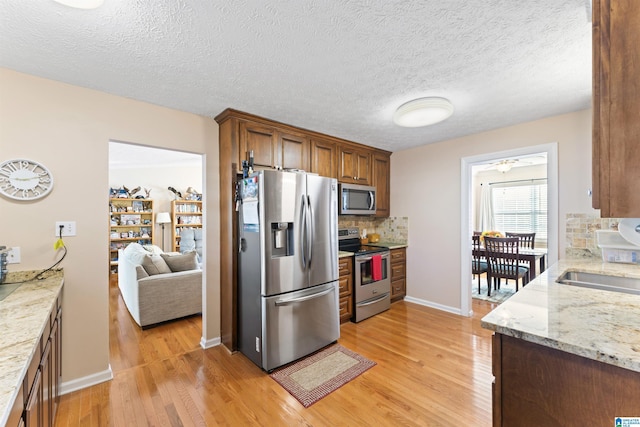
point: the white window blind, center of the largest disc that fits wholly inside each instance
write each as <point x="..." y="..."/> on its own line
<point x="521" y="207"/>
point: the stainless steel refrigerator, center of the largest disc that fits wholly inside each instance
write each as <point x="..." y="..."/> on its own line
<point x="287" y="266"/>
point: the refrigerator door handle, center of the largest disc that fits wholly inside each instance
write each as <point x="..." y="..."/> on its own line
<point x="310" y="235"/>
<point x="302" y="299"/>
<point x="303" y="233"/>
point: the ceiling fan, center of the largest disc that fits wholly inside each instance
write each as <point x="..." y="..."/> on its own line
<point x="505" y="165"/>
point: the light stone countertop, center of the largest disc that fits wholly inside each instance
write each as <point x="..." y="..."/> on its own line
<point x="23" y="315"/>
<point x="344" y="254"/>
<point x="596" y="324"/>
<point x="390" y="245"/>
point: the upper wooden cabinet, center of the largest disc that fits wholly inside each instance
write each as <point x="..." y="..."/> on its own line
<point x="616" y="108"/>
<point x="354" y="165"/>
<point x="323" y="158"/>
<point x="380" y="179"/>
<point x="272" y="147"/>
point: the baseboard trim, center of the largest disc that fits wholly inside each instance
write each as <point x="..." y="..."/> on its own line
<point x="210" y="343"/>
<point x="88" y="381"/>
<point x="437" y="306"/>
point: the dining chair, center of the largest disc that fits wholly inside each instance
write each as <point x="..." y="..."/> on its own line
<point x="478" y="262"/>
<point x="527" y="240"/>
<point x="503" y="260"/>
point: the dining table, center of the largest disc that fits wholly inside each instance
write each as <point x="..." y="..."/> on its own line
<point x="531" y="256"/>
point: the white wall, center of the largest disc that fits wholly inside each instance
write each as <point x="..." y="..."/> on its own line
<point x="68" y="128"/>
<point x="425" y="186"/>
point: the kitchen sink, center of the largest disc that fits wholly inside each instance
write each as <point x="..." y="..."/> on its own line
<point x="600" y="281"/>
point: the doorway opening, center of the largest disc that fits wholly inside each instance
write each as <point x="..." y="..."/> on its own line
<point x="156" y="180"/>
<point x="502" y="163"/>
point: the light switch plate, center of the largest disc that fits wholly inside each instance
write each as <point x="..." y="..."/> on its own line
<point x="13" y="256"/>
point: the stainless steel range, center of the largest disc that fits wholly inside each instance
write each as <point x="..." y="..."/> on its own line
<point x="372" y="284"/>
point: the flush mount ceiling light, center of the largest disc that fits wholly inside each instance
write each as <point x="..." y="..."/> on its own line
<point x="423" y="112"/>
<point x="81" y="4"/>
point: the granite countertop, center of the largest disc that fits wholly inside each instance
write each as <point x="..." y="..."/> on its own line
<point x="344" y="254"/>
<point x="390" y="245"/>
<point x="23" y="315"/>
<point x="596" y="324"/>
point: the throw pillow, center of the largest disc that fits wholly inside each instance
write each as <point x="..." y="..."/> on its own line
<point x="155" y="250"/>
<point x="181" y="262"/>
<point x="141" y="273"/>
<point x="154" y="264"/>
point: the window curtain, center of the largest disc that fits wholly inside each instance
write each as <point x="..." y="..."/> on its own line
<point x="485" y="219"/>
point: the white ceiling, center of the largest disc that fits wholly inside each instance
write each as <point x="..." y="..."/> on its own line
<point x="337" y="67"/>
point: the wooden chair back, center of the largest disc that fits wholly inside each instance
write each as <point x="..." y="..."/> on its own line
<point x="503" y="259"/>
<point x="527" y="240"/>
<point x="478" y="262"/>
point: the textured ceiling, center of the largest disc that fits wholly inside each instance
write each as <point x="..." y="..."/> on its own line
<point x="337" y="67"/>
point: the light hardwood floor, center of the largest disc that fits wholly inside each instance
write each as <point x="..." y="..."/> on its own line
<point x="433" y="369"/>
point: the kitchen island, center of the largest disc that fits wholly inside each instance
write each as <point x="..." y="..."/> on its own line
<point x="567" y="355"/>
<point x="29" y="321"/>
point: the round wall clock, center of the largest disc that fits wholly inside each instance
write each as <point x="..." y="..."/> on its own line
<point x="22" y="179"/>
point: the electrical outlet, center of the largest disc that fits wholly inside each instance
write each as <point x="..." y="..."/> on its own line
<point x="68" y="228"/>
<point x="13" y="256"/>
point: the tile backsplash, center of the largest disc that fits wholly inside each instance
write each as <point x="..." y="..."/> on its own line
<point x="392" y="229"/>
<point x="581" y="234"/>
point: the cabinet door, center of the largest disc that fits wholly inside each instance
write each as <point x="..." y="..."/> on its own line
<point x="354" y="165"/>
<point x="262" y="140"/>
<point x="294" y="151"/>
<point x="32" y="412"/>
<point x="46" y="384"/>
<point x="381" y="180"/>
<point x="323" y="158"/>
<point x="616" y="100"/>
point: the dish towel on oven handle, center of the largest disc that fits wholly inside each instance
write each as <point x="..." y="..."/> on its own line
<point x="376" y="267"/>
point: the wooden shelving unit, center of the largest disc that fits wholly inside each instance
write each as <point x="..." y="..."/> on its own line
<point x="131" y="221"/>
<point x="184" y="214"/>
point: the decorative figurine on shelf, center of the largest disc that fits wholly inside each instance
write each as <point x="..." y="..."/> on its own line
<point x="193" y="194"/>
<point x="147" y="193"/>
<point x="134" y="191"/>
<point x="123" y="193"/>
<point x="176" y="193"/>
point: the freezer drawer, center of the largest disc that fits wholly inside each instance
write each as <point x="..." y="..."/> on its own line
<point x="298" y="323"/>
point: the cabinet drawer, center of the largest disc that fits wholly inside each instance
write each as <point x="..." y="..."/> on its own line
<point x="398" y="271"/>
<point x="344" y="266"/>
<point x="398" y="288"/>
<point x="344" y="286"/>
<point x="346" y="308"/>
<point x="398" y="255"/>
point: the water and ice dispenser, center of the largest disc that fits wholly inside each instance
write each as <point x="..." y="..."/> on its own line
<point x="281" y="239"/>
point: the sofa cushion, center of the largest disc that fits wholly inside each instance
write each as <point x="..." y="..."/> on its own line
<point x="181" y="262"/>
<point x="141" y="273"/>
<point x="155" y="264"/>
<point x="155" y="250"/>
<point x="135" y="253"/>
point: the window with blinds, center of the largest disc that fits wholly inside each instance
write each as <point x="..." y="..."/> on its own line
<point x="521" y="207"/>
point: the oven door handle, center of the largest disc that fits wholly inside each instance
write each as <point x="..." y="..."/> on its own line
<point x="374" y="301"/>
<point x="368" y="258"/>
<point x="302" y="299"/>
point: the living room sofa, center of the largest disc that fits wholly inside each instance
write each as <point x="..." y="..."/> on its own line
<point x="157" y="286"/>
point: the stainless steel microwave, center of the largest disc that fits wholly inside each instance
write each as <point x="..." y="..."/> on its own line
<point x="357" y="199"/>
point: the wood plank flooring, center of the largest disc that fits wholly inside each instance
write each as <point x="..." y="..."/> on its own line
<point x="433" y="369"/>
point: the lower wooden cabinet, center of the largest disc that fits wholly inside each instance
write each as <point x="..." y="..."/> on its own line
<point x="345" y="276"/>
<point x="541" y="386"/>
<point x="398" y="274"/>
<point x="37" y="401"/>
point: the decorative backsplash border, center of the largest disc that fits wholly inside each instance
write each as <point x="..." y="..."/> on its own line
<point x="581" y="241"/>
<point x="392" y="229"/>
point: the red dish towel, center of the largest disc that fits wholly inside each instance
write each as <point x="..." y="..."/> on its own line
<point x="376" y="267"/>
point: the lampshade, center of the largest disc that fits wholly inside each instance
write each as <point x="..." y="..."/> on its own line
<point x="163" y="218"/>
<point x="81" y="4"/>
<point x="423" y="112"/>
